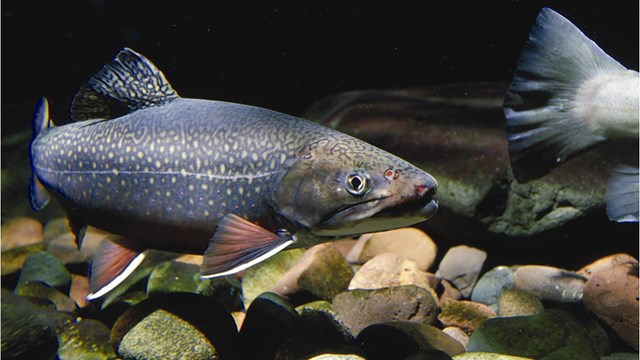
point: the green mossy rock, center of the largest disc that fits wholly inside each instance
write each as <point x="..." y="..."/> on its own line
<point x="549" y="335"/>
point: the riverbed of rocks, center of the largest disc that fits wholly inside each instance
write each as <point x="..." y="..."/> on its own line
<point x="391" y="295"/>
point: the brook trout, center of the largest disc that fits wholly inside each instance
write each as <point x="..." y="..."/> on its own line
<point x="567" y="96"/>
<point x="235" y="182"/>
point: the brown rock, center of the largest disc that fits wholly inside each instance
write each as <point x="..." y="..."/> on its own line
<point x="21" y="231"/>
<point x="79" y="289"/>
<point x="361" y="308"/>
<point x="611" y="293"/>
<point x="410" y="243"/>
<point x="457" y="334"/>
<point x="64" y="246"/>
<point x="344" y="246"/>
<point x="321" y="270"/>
<point x="450" y="292"/>
<point x="467" y="315"/>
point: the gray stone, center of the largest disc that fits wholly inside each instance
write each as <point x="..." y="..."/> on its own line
<point x="46" y="268"/>
<point x="557" y="336"/>
<point x="461" y="127"/>
<point x="175" y="325"/>
<point x="491" y="284"/>
<point x="514" y="302"/>
<point x="86" y="339"/>
<point x="409" y="243"/>
<point x="27" y="331"/>
<point x="402" y="339"/>
<point x="462" y="265"/>
<point x="321" y="271"/>
<point x="387" y="270"/>
<point x="262" y="277"/>
<point x="549" y="283"/>
<point x="361" y="308"/>
<point x="466" y="315"/>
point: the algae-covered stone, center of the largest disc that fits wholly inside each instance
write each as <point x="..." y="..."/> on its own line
<point x="487" y="356"/>
<point x="551" y="334"/>
<point x="172" y="276"/>
<point x="514" y="302"/>
<point x="268" y="323"/>
<point x="13" y="260"/>
<point x="86" y="339"/>
<point x="36" y="289"/>
<point x="462" y="265"/>
<point x="337" y="357"/>
<point x="409" y="243"/>
<point x="315" y="330"/>
<point x="491" y="284"/>
<point x="361" y="308"/>
<point x="175" y="325"/>
<point x="314" y="305"/>
<point x="27" y="331"/>
<point x="45" y="268"/>
<point x="466" y="315"/>
<point x="263" y="276"/>
<point x="320" y="271"/>
<point x="401" y="339"/>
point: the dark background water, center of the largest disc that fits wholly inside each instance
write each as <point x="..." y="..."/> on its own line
<point x="281" y="55"/>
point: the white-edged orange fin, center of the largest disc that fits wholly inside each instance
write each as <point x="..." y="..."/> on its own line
<point x="238" y="244"/>
<point x="115" y="259"/>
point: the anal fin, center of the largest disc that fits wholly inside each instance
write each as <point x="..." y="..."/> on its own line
<point x="238" y="244"/>
<point x="115" y="259"/>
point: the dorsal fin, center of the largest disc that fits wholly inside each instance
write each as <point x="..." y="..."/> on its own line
<point x="127" y="83"/>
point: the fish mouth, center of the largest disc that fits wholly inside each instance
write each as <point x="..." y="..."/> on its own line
<point x="378" y="214"/>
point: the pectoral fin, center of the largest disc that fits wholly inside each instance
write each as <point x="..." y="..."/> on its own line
<point x="115" y="259"/>
<point x="238" y="244"/>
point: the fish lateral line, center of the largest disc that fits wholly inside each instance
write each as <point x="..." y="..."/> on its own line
<point x="137" y="172"/>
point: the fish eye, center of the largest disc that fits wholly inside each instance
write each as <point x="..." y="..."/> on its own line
<point x="357" y="183"/>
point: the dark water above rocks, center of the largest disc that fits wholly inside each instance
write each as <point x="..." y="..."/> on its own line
<point x="429" y="82"/>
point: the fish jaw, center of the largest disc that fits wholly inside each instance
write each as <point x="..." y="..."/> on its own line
<point x="381" y="214"/>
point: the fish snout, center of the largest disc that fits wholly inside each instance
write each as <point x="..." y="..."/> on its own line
<point x="425" y="192"/>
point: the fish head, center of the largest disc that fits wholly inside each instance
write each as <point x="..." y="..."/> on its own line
<point x="347" y="187"/>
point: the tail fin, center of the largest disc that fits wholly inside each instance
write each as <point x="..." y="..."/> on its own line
<point x="543" y="128"/>
<point x="622" y="194"/>
<point x="37" y="193"/>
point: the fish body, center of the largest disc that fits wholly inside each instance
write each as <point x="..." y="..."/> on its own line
<point x="235" y="182"/>
<point x="567" y="96"/>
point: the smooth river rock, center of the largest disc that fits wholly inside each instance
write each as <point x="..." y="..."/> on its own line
<point x="461" y="265"/>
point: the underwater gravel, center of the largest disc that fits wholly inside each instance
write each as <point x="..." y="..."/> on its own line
<point x="374" y="298"/>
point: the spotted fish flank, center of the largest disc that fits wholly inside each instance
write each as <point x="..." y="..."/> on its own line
<point x="235" y="182"/>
